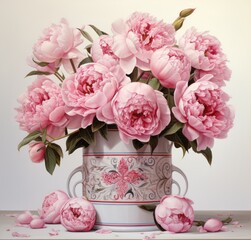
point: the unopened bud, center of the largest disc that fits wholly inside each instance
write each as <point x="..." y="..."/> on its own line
<point x="178" y="23"/>
<point x="186" y="12"/>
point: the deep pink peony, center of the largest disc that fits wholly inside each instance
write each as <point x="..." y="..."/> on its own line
<point x="41" y="106"/>
<point x="78" y="215"/>
<point x="36" y="151"/>
<point x="88" y="92"/>
<point x="140" y="112"/>
<point x="137" y="38"/>
<point x="52" y="205"/>
<point x="175" y="213"/>
<point x="58" y="44"/>
<point x="170" y="65"/>
<point x="203" y="109"/>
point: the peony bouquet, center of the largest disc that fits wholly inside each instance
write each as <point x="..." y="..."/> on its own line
<point x="140" y="80"/>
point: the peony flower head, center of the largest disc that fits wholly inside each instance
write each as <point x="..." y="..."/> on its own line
<point x="87" y="92"/>
<point x="170" y="65"/>
<point x="78" y="215"/>
<point x="203" y="109"/>
<point x="137" y="38"/>
<point x="140" y="112"/>
<point x="51" y="206"/>
<point x="42" y="106"/>
<point x="57" y="44"/>
<point x="175" y="213"/>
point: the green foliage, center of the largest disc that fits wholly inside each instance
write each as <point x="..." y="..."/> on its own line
<point x="30" y="137"/>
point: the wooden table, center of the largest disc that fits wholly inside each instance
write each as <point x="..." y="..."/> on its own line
<point x="240" y="230"/>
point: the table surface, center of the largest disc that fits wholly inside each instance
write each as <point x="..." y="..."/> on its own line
<point x="240" y="228"/>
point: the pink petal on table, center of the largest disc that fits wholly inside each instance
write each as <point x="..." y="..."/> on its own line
<point x="235" y="223"/>
<point x="201" y="229"/>
<point x="103" y="231"/>
<point x="224" y="229"/>
<point x="16" y="234"/>
<point x="54" y="232"/>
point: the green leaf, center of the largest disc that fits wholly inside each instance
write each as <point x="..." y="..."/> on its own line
<point x="154" y="83"/>
<point x="148" y="207"/>
<point x="153" y="142"/>
<point x="57" y="149"/>
<point x="32" y="73"/>
<point x="79" y="144"/>
<point x="98" y="31"/>
<point x="41" y="64"/>
<point x="207" y="153"/>
<point x="51" y="160"/>
<point x="103" y="132"/>
<point x="134" y="75"/>
<point x="30" y="137"/>
<point x="85" y="60"/>
<point x="137" y="144"/>
<point x="87" y="135"/>
<point x="173" y="129"/>
<point x="44" y="134"/>
<point x="86" y="35"/>
<point x="96" y="125"/>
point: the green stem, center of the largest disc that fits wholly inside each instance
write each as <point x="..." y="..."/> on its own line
<point x="73" y="66"/>
<point x="59" y="76"/>
<point x="66" y="135"/>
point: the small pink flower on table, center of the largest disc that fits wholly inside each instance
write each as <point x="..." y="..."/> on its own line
<point x="51" y="206"/>
<point x="213" y="225"/>
<point x="78" y="215"/>
<point x="175" y="214"/>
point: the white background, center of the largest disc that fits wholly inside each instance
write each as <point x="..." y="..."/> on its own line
<point x="224" y="185"/>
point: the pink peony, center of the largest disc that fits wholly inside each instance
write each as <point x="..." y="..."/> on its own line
<point x="175" y="213"/>
<point x="203" y="110"/>
<point x="220" y="73"/>
<point x="42" y="107"/>
<point x="52" y="205"/>
<point x="36" y="151"/>
<point x="136" y="39"/>
<point x="90" y="90"/>
<point x="140" y="112"/>
<point x="58" y="44"/>
<point x="170" y="65"/>
<point x="213" y="225"/>
<point x="78" y="215"/>
<point x="203" y="50"/>
<point x="102" y="46"/>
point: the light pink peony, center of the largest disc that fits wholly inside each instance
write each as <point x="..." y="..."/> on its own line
<point x="175" y="213"/>
<point x="58" y="44"/>
<point x="88" y="92"/>
<point x="36" y="151"/>
<point x="220" y="73"/>
<point x="140" y="112"/>
<point x="136" y="39"/>
<point x="203" y="50"/>
<point x="42" y="107"/>
<point x="52" y="205"/>
<point x="102" y="46"/>
<point x="213" y="225"/>
<point x="170" y="65"/>
<point x="78" y="215"/>
<point x="203" y="109"/>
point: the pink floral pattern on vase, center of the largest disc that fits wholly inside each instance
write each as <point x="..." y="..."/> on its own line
<point x="123" y="178"/>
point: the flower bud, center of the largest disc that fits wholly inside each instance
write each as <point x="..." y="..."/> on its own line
<point x="213" y="225"/>
<point x="178" y="23"/>
<point x="186" y="12"/>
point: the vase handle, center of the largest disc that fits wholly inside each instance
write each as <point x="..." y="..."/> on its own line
<point x="178" y="170"/>
<point x="72" y="191"/>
